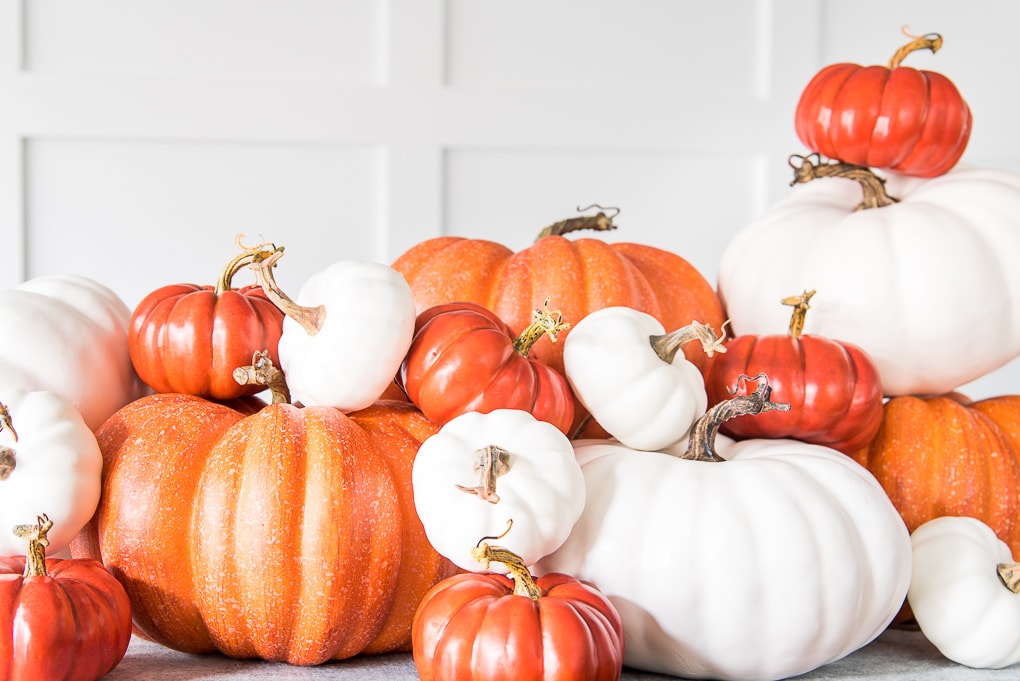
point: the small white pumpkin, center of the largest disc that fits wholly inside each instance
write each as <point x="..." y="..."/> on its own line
<point x="633" y="378"/>
<point x="500" y="474"/>
<point x="964" y="592"/>
<point x="50" y="464"/>
<point x="345" y="335"/>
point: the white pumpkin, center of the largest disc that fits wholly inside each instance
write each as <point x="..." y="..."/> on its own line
<point x="634" y="379"/>
<point x="67" y="335"/>
<point x="345" y="334"/>
<point x="783" y="558"/>
<point x="50" y="464"/>
<point x="928" y="286"/>
<point x="502" y="474"/>
<point x="960" y="601"/>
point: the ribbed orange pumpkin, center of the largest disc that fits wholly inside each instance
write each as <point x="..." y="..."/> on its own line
<point x="287" y="535"/>
<point x="576" y="276"/>
<point x="944" y="455"/>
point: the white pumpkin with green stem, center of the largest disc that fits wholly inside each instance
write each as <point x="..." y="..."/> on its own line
<point x="965" y="592"/>
<point x="633" y="377"/>
<point x="50" y="462"/>
<point x="781" y="558"/>
<point x="500" y="474"/>
<point x="346" y="333"/>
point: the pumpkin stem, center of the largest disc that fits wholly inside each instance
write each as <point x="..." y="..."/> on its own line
<point x="666" y="345"/>
<point x="872" y="186"/>
<point x="801" y="304"/>
<point x="310" y="318"/>
<point x="1009" y="573"/>
<point x="490" y="462"/>
<point x="543" y="321"/>
<point x="247" y="255"/>
<point x="8" y="458"/>
<point x="524" y="583"/>
<point x="262" y="371"/>
<point x="600" y="222"/>
<point x="35" y="557"/>
<point x="928" y="41"/>
<point x="701" y="444"/>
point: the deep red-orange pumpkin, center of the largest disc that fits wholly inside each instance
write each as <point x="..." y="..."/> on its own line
<point x="944" y="455"/>
<point x="286" y="535"/>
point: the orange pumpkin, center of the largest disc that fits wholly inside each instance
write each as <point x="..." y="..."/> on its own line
<point x="945" y="455"/>
<point x="288" y="535"/>
<point x="576" y="276"/>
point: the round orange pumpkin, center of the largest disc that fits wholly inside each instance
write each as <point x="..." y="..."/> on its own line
<point x="945" y="455"/>
<point x="288" y="534"/>
<point x="575" y="276"/>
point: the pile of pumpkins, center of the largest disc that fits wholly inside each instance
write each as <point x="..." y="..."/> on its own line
<point x="579" y="455"/>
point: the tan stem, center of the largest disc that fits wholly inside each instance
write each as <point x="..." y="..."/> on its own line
<point x="248" y="255"/>
<point x="6" y="422"/>
<point x="810" y="167"/>
<point x="701" y="445"/>
<point x="263" y="372"/>
<point x="311" y="319"/>
<point x="801" y="304"/>
<point x="8" y="462"/>
<point x="35" y="556"/>
<point x="489" y="463"/>
<point x="667" y="345"/>
<point x="543" y="322"/>
<point x="600" y="222"/>
<point x="1009" y="573"/>
<point x="524" y="583"/>
<point x="929" y="41"/>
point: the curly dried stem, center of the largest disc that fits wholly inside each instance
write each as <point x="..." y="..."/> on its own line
<point x="701" y="445"/>
<point x="524" y="583"/>
<point x="1009" y="573"/>
<point x="489" y="464"/>
<point x="543" y="322"/>
<point x="928" y="41"/>
<point x="35" y="557"/>
<point x="263" y="372"/>
<point x="810" y="168"/>
<point x="8" y="457"/>
<point x="248" y="255"/>
<point x="667" y="345"/>
<point x="311" y="319"/>
<point x="801" y="304"/>
<point x="600" y="222"/>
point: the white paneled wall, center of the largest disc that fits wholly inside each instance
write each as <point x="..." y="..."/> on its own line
<point x="139" y="137"/>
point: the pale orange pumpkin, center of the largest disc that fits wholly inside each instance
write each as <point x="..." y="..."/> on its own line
<point x="289" y="534"/>
<point x="947" y="456"/>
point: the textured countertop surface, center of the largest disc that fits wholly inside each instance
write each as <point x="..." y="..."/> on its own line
<point x="896" y="654"/>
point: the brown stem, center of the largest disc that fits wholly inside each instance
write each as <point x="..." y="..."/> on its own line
<point x="490" y="462"/>
<point x="801" y="304"/>
<point x="543" y="321"/>
<point x="310" y="318"/>
<point x="872" y="186"/>
<point x="35" y="557"/>
<point x="701" y="445"/>
<point x="600" y="222"/>
<point x="1009" y="573"/>
<point x="666" y="345"/>
<point x="247" y="255"/>
<point x="928" y="41"/>
<point x="8" y="457"/>
<point x="263" y="372"/>
<point x="524" y="583"/>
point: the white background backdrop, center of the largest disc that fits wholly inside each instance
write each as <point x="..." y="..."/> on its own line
<point x="139" y="137"/>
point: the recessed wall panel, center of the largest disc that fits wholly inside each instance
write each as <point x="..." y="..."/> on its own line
<point x="138" y="215"/>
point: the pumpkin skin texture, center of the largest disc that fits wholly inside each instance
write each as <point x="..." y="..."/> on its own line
<point x="882" y="272"/>
<point x="286" y="487"/>
<point x="72" y="624"/>
<point x="790" y="557"/>
<point x="577" y="276"/>
<point x="940" y="455"/>
<point x="463" y="358"/>
<point x="189" y="338"/>
<point x="897" y="118"/>
<point x="473" y="627"/>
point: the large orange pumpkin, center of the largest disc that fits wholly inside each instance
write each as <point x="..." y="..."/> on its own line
<point x="576" y="276"/>
<point x="289" y="534"/>
<point x="945" y="455"/>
